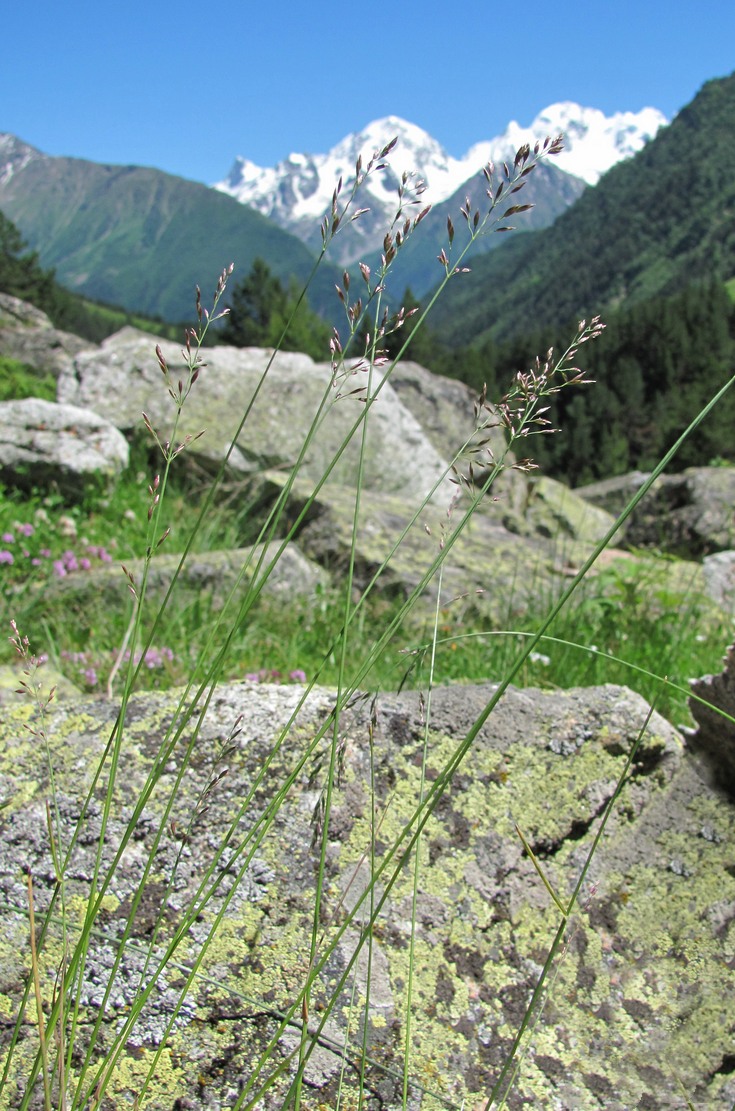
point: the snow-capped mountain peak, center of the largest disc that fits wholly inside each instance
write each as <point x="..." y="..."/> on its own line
<point x="300" y="187"/>
<point x="297" y="192"/>
<point x="14" y="156"/>
<point x="593" y="142"/>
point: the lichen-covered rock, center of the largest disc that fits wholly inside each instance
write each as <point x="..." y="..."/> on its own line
<point x="488" y="568"/>
<point x="544" y="507"/>
<point x="640" y="1008"/>
<point x="42" y="442"/>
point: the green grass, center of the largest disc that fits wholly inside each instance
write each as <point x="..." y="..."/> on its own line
<point x="623" y="627"/>
<point x="18" y="380"/>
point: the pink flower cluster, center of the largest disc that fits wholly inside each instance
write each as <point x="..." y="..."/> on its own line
<point x="84" y="663"/>
<point x="68" y="563"/>
<point x="274" y="676"/>
<point x="7" y="556"/>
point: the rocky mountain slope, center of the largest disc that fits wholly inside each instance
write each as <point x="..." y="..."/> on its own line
<point x="119" y="233"/>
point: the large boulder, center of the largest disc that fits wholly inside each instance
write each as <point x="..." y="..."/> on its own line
<point x="690" y="514"/>
<point x="43" y="443"/>
<point x="419" y="424"/>
<point x="640" y="1005"/>
<point x="27" y="335"/>
<point x="122" y="379"/>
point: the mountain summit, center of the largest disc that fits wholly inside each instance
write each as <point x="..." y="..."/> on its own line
<point x="297" y="192"/>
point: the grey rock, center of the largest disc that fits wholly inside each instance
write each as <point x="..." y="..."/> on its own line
<point x="122" y="379"/>
<point x="691" y="514"/>
<point x="15" y="313"/>
<point x="489" y="571"/>
<point x="42" y="442"/>
<point x="206" y="577"/>
<point x="639" y="1005"/>
<point x="719" y="577"/>
<point x="442" y="406"/>
<point x="541" y="506"/>
<point x="27" y="335"/>
<point x="713" y="708"/>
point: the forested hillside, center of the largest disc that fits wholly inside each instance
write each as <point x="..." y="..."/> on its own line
<point x="655" y="366"/>
<point x="21" y="275"/>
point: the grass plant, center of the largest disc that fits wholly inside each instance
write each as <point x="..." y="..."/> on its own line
<point x="351" y="639"/>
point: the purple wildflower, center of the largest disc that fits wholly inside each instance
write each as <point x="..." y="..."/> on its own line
<point x="6" y="557"/>
<point x="98" y="552"/>
<point x="297" y="675"/>
<point x="7" y="538"/>
<point x="26" y="529"/>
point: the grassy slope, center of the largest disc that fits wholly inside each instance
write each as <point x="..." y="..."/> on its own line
<point x="143" y="239"/>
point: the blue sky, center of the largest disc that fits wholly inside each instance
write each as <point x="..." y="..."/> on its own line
<point x="186" y="87"/>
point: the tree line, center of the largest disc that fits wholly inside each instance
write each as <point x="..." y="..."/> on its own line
<point x="655" y="366"/>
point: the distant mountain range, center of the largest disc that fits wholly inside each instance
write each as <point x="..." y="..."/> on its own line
<point x="297" y="192"/>
<point x="142" y="239"/>
<point x="660" y="218"/>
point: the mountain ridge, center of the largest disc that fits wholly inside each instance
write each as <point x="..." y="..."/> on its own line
<point x="297" y="191"/>
<point x="137" y="237"/>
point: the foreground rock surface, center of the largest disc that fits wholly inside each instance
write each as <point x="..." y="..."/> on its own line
<point x="641" y="1009"/>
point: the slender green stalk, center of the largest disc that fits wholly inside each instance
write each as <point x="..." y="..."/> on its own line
<point x="39" y="1000"/>
<point x="407" y="1055"/>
